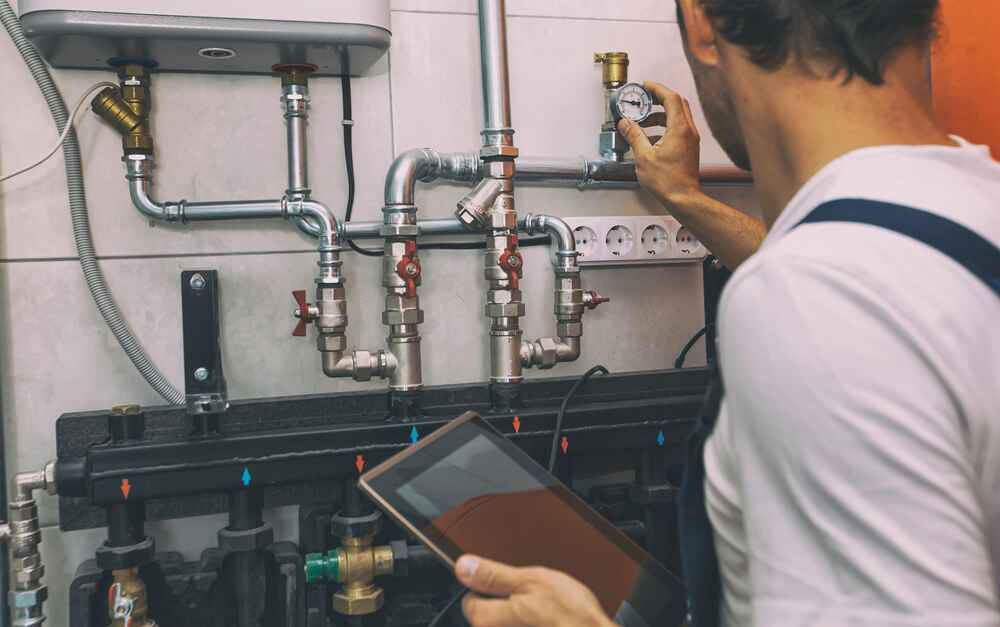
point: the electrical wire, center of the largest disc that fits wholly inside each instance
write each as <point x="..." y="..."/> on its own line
<point x="66" y="131"/>
<point x="447" y="608"/>
<point x="562" y="411"/>
<point x="345" y="84"/>
<point x="682" y="356"/>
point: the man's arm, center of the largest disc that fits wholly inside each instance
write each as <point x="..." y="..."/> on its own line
<point x="669" y="169"/>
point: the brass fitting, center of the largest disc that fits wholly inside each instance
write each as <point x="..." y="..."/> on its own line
<point x="355" y="565"/>
<point x="127" y="605"/>
<point x="615" y="68"/>
<point x="128" y="111"/>
<point x="294" y="74"/>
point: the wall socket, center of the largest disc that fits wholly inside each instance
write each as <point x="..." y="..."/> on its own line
<point x="632" y="240"/>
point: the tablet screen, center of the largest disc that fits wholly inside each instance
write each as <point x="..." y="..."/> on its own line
<point x="467" y="489"/>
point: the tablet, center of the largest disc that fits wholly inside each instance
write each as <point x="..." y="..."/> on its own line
<point x="467" y="489"/>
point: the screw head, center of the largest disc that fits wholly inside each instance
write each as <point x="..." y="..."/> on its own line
<point x="201" y="374"/>
<point x="411" y="269"/>
<point x="197" y="282"/>
<point x="514" y="261"/>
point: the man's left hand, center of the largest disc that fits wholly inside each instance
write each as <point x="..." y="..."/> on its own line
<point x="525" y="597"/>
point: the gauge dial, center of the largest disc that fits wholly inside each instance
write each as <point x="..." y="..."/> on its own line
<point x="632" y="102"/>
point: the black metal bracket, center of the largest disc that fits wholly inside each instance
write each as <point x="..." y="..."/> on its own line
<point x="204" y="380"/>
<point x="715" y="276"/>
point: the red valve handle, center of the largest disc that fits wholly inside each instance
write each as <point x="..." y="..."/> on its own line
<point x="513" y="264"/>
<point x="302" y="313"/>
<point x="409" y="268"/>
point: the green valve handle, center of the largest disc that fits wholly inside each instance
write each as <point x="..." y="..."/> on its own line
<point x="322" y="568"/>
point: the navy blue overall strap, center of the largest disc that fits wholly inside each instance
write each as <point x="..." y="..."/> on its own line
<point x="975" y="253"/>
<point x="698" y="558"/>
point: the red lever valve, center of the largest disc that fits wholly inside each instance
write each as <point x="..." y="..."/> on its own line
<point x="593" y="298"/>
<point x="409" y="269"/>
<point x="513" y="264"/>
<point x="305" y="312"/>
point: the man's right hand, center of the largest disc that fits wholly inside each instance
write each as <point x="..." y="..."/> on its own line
<point x="669" y="168"/>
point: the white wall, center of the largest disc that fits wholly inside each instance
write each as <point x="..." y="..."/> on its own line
<point x="222" y="137"/>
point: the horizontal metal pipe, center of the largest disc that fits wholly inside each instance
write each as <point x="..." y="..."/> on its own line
<point x="607" y="173"/>
<point x="373" y="230"/>
<point x="237" y="210"/>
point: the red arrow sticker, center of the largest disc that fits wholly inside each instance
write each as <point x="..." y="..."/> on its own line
<point x="359" y="463"/>
<point x="565" y="444"/>
<point x="126" y="488"/>
<point x="517" y="424"/>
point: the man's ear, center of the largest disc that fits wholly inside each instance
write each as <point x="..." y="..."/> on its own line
<point x="700" y="36"/>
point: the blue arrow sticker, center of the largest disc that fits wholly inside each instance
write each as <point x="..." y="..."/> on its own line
<point x="414" y="436"/>
<point x="246" y="477"/>
<point x="661" y="439"/>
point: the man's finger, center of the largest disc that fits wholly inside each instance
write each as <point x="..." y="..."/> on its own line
<point x="671" y="100"/>
<point x="690" y="117"/>
<point x="658" y="118"/>
<point x="486" y="576"/>
<point x="634" y="136"/>
<point x="481" y="612"/>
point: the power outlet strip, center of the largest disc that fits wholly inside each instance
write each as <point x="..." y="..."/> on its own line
<point x="634" y="240"/>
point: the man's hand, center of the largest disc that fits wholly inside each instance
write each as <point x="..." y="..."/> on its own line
<point x="668" y="168"/>
<point x="525" y="597"/>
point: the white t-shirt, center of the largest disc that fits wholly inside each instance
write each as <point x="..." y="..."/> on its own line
<point x="853" y="477"/>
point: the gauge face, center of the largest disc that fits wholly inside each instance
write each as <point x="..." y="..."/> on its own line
<point x="632" y="102"/>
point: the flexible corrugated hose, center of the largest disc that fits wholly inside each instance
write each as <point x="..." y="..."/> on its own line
<point x="78" y="212"/>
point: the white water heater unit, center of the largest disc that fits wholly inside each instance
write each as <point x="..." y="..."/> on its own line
<point x="247" y="36"/>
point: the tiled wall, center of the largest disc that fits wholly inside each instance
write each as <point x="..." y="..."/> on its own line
<point x="222" y="137"/>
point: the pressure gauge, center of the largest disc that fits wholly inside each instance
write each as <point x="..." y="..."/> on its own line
<point x="631" y="101"/>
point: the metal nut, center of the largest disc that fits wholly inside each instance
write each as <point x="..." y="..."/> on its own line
<point x="358" y="605"/>
<point x="504" y="310"/>
<point x="28" y="598"/>
<point x="24" y="513"/>
<point x="490" y="152"/>
<point x="500" y="297"/>
<point x="549" y="352"/>
<point x="26" y="562"/>
<point x="201" y="374"/>
<point x="331" y="343"/>
<point x="29" y="577"/>
<point x="197" y="282"/>
<point x="570" y="329"/>
<point x="407" y="316"/>
<point x="362" y="365"/>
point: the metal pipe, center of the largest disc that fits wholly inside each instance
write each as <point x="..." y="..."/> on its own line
<point x="426" y="165"/>
<point x="496" y="83"/>
<point x="23" y="535"/>
<point x="296" y="101"/>
<point x="425" y="228"/>
<point x="607" y="173"/>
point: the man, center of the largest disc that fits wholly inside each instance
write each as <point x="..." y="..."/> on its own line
<point x="853" y="474"/>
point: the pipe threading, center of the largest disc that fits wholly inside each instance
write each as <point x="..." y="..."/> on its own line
<point x="78" y="213"/>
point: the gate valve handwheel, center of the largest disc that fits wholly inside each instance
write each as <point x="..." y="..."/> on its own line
<point x="305" y="312"/>
<point x="513" y="264"/>
<point x="593" y="298"/>
<point x="409" y="269"/>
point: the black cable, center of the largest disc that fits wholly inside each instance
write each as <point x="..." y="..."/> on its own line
<point x="345" y="89"/>
<point x="447" y="608"/>
<point x="682" y="356"/>
<point x="562" y="411"/>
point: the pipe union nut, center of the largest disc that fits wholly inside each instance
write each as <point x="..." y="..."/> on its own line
<point x="570" y="329"/>
<point x="548" y="350"/>
<point x="504" y="310"/>
<point x="358" y="605"/>
<point x="27" y="562"/>
<point x="494" y="152"/>
<point x="363" y="365"/>
<point x="399" y="230"/>
<point x="405" y="316"/>
<point x="499" y="169"/>
<point x="22" y="514"/>
<point x="331" y="343"/>
<point x="28" y="577"/>
<point x="28" y="598"/>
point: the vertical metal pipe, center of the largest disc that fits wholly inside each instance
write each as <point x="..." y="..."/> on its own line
<point x="296" y="99"/>
<point x="496" y="83"/>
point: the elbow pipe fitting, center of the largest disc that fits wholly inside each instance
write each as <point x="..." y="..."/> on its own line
<point x="566" y="253"/>
<point x="546" y="352"/>
<point x="23" y="535"/>
<point x="426" y="165"/>
<point x="360" y="365"/>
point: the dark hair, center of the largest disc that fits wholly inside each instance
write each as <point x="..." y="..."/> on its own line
<point x="858" y="37"/>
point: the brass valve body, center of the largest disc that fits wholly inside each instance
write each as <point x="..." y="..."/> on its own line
<point x="615" y="68"/>
<point x="135" y="97"/>
<point x="360" y="563"/>
<point x="133" y="589"/>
